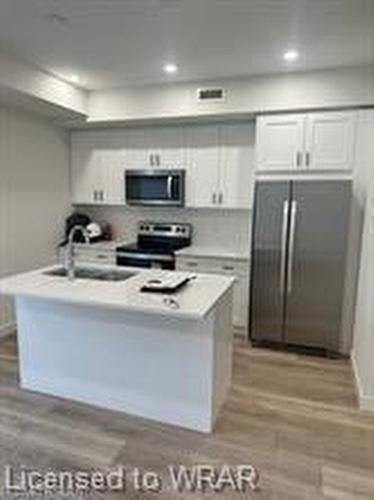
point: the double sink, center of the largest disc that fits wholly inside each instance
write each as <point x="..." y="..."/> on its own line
<point x="87" y="273"/>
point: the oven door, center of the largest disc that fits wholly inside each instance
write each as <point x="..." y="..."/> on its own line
<point x="155" y="187"/>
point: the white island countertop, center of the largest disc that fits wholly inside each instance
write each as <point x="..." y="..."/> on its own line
<point x="194" y="301"/>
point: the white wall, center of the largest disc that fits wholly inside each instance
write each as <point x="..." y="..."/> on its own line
<point x="34" y="194"/>
<point x="226" y="229"/>
<point x="363" y="350"/>
<point x="289" y="91"/>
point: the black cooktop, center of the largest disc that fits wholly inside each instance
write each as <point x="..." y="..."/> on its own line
<point x="159" y="238"/>
<point x="153" y="247"/>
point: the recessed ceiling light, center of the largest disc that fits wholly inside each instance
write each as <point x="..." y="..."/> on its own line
<point x="57" y="19"/>
<point x="170" y="68"/>
<point x="291" y="55"/>
<point x="74" y="79"/>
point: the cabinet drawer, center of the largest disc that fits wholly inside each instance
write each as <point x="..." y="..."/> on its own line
<point x="230" y="266"/>
<point x="216" y="266"/>
<point x="108" y="258"/>
<point x="188" y="264"/>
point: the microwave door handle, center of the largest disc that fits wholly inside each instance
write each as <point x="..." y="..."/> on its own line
<point x="169" y="186"/>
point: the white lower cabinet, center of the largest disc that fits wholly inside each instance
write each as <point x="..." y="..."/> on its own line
<point x="91" y="255"/>
<point x="232" y="267"/>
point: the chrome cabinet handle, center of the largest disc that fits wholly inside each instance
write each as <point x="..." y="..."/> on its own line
<point x="214" y="198"/>
<point x="158" y="160"/>
<point x="220" y="198"/>
<point x="228" y="268"/>
<point x="291" y="246"/>
<point x="299" y="158"/>
<point x="191" y="264"/>
<point x="151" y="160"/>
<point x="307" y="159"/>
<point x="94" y="195"/>
<point x="286" y="207"/>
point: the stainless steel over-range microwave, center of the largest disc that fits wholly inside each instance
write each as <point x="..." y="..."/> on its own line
<point x="155" y="187"/>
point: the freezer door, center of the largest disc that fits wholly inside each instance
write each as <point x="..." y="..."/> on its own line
<point x="319" y="222"/>
<point x="269" y="256"/>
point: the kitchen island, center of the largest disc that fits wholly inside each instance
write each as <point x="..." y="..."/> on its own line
<point x="106" y="343"/>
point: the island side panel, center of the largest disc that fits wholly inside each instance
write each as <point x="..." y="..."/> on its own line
<point x="222" y="352"/>
<point x="156" y="367"/>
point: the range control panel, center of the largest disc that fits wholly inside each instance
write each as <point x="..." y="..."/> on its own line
<point x="172" y="230"/>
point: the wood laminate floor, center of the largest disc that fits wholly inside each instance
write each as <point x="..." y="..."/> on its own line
<point x="293" y="417"/>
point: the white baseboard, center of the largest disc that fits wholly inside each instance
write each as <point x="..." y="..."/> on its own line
<point x="365" y="402"/>
<point x="7" y="329"/>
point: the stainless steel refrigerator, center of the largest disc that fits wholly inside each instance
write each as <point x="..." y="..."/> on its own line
<point x="298" y="262"/>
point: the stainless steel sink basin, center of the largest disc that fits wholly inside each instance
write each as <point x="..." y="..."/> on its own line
<point x="92" y="274"/>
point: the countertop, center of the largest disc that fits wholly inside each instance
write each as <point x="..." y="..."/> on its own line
<point x="191" y="251"/>
<point x="213" y="252"/>
<point x="194" y="301"/>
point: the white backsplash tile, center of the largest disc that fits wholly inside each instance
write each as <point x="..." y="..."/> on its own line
<point x="222" y="229"/>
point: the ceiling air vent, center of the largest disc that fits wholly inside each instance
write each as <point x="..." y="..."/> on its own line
<point x="211" y="94"/>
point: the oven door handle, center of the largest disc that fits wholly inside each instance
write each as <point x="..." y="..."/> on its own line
<point x="144" y="256"/>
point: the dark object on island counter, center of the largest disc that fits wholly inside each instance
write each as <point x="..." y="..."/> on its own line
<point x="168" y="284"/>
<point x="76" y="219"/>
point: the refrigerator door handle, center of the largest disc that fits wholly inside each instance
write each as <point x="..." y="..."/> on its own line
<point x="286" y="207"/>
<point x="292" y="245"/>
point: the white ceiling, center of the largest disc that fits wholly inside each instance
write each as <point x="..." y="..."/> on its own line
<point x="110" y="43"/>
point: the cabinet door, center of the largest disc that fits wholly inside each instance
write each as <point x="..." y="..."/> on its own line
<point x="236" y="168"/>
<point x="330" y="140"/>
<point x="111" y="175"/>
<point x="280" y="142"/>
<point x="203" y="165"/>
<point x="83" y="256"/>
<point x="168" y="147"/>
<point x="83" y="169"/>
<point x="138" y="142"/>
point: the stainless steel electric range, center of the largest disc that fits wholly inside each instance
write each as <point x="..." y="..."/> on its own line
<point x="155" y="246"/>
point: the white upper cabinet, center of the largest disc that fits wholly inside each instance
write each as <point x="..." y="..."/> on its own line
<point x="81" y="162"/>
<point x="112" y="164"/>
<point x="220" y="165"/>
<point x="168" y="147"/>
<point x="155" y="147"/>
<point x="330" y="141"/>
<point x="97" y="167"/>
<point x="85" y="169"/>
<point x="306" y="142"/>
<point x="138" y="155"/>
<point x="280" y="142"/>
<point x="203" y="160"/>
<point x="236" y="165"/>
<point x="218" y="160"/>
